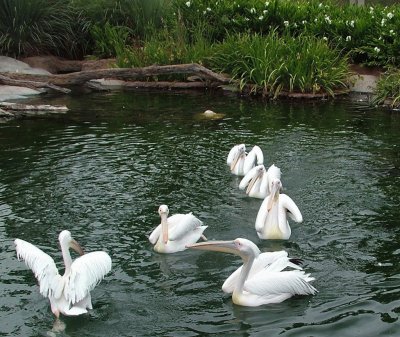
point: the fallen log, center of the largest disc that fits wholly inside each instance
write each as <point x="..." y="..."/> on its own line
<point x="31" y="84"/>
<point x="126" y="74"/>
<point x="30" y="107"/>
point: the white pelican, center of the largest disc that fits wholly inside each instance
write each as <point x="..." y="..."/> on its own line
<point x="240" y="163"/>
<point x="271" y="221"/>
<point x="262" y="278"/>
<point x="69" y="294"/>
<point x="175" y="232"/>
<point x="258" y="181"/>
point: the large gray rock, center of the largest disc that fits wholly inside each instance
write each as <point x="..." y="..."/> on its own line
<point x="10" y="65"/>
<point x="10" y="92"/>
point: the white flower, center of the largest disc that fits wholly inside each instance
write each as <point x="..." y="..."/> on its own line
<point x="304" y="22"/>
<point x="188" y="3"/>
<point x="208" y="9"/>
<point x="391" y="32"/>
<point x="265" y="11"/>
<point x="253" y="10"/>
<point x="320" y="5"/>
<point x="246" y="19"/>
<point x="377" y="50"/>
<point x="383" y="22"/>
<point x="348" y="38"/>
<point x="325" y="38"/>
<point x="328" y="20"/>
<point x="352" y="23"/>
<point x="260" y="17"/>
<point x="390" y="15"/>
<point x="371" y="10"/>
<point x="286" y="23"/>
<point x="266" y="3"/>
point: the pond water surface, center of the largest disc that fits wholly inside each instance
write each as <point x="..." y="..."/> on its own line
<point x="102" y="170"/>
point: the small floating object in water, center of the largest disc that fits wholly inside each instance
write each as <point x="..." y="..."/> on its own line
<point x="209" y="114"/>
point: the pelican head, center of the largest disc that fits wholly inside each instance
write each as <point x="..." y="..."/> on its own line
<point x="276" y="186"/>
<point x="66" y="240"/>
<point x="259" y="171"/>
<point x="240" y="153"/>
<point x="241" y="247"/>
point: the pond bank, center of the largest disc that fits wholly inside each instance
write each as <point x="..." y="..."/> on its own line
<point x="363" y="81"/>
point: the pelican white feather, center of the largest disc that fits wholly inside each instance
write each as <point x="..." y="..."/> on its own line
<point x="240" y="162"/>
<point x="258" y="181"/>
<point x="176" y="231"/>
<point x="69" y="294"/>
<point x="271" y="222"/>
<point x="262" y="278"/>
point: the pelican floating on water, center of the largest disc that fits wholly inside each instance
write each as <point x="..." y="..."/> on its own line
<point x="176" y="231"/>
<point x="262" y="278"/>
<point x="258" y="181"/>
<point x="240" y="162"/>
<point x="271" y="221"/>
<point x="69" y="294"/>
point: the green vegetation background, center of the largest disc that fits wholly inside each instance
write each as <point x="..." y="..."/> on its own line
<point x="269" y="46"/>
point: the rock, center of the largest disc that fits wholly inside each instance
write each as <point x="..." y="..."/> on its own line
<point x="10" y="65"/>
<point x="10" y="92"/>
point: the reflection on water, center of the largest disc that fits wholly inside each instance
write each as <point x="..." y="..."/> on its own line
<point x="103" y="169"/>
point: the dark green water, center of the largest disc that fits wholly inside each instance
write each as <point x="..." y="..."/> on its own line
<point x="103" y="169"/>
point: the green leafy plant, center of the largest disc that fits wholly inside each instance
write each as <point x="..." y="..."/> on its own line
<point x="273" y="64"/>
<point x="109" y="40"/>
<point x="388" y="89"/>
<point x="31" y="27"/>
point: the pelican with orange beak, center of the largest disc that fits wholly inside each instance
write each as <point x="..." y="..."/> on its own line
<point x="271" y="222"/>
<point x="69" y="294"/>
<point x="176" y="231"/>
<point x="263" y="278"/>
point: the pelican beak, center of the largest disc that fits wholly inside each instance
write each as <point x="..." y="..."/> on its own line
<point x="216" y="246"/>
<point x="76" y="247"/>
<point x="164" y="229"/>
<point x="274" y="195"/>
<point x="253" y="181"/>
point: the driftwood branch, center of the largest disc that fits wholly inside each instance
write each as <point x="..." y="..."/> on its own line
<point x="126" y="74"/>
<point x="31" y="84"/>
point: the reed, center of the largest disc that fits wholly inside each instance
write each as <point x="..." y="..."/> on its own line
<point x="388" y="89"/>
<point x="32" y="27"/>
<point x="273" y="64"/>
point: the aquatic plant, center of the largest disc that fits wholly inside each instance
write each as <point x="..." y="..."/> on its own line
<point x="274" y="63"/>
<point x="388" y="89"/>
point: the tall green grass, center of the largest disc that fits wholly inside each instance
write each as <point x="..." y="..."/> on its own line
<point x="273" y="64"/>
<point x="32" y="27"/>
<point x="388" y="89"/>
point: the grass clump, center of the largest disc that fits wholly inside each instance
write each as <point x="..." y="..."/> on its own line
<point x="274" y="63"/>
<point x="388" y="89"/>
<point x="33" y="27"/>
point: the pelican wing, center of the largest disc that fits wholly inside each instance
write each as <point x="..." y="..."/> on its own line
<point x="262" y="215"/>
<point x="264" y="261"/>
<point x="86" y="272"/>
<point x="182" y="224"/>
<point x="293" y="282"/>
<point x="43" y="266"/>
<point x="246" y="179"/>
<point x="293" y="211"/>
<point x="155" y="234"/>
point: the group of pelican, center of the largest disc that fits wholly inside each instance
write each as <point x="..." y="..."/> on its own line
<point x="269" y="277"/>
